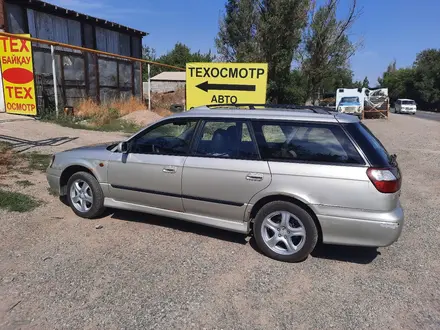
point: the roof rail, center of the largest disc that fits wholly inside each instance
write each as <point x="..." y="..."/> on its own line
<point x="293" y="107"/>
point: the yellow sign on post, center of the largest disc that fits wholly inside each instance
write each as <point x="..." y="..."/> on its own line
<point x="225" y="83"/>
<point x="18" y="76"/>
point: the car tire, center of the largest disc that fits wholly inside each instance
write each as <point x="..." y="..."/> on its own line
<point x="85" y="196"/>
<point x="285" y="231"/>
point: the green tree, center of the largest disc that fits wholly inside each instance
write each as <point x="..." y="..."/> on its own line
<point x="366" y="83"/>
<point x="427" y="77"/>
<point x="264" y="30"/>
<point x="400" y="83"/>
<point x="237" y="38"/>
<point x="281" y="25"/>
<point x="327" y="47"/>
<point x="337" y="78"/>
<point x="178" y="56"/>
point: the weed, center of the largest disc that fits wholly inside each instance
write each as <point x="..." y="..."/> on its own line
<point x="120" y="125"/>
<point x="52" y="192"/>
<point x="17" y="202"/>
<point x="6" y="157"/>
<point x="25" y="183"/>
<point x="36" y="161"/>
<point x="113" y="109"/>
<point x="94" y="124"/>
<point x="24" y="171"/>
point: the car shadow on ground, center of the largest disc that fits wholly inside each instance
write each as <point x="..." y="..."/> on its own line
<point x="351" y="254"/>
<point x="176" y="224"/>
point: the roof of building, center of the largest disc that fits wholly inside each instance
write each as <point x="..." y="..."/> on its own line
<point x="270" y="114"/>
<point x="57" y="10"/>
<point x="170" y="76"/>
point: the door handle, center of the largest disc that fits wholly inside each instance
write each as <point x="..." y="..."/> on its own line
<point x="169" y="170"/>
<point x="255" y="177"/>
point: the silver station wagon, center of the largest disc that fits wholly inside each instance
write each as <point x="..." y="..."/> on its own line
<point x="290" y="177"/>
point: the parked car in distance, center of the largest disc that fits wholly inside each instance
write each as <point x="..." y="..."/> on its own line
<point x="406" y="106"/>
<point x="350" y="105"/>
<point x="291" y="177"/>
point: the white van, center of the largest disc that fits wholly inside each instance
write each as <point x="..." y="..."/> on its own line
<point x="406" y="106"/>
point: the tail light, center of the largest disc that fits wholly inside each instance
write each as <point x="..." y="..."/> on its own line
<point x="386" y="180"/>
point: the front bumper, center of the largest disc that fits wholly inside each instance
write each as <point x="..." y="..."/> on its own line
<point x="53" y="178"/>
<point x="383" y="231"/>
<point x="354" y="113"/>
<point x="408" y="111"/>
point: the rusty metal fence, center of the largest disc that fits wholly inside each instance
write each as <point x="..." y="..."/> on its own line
<point x="66" y="74"/>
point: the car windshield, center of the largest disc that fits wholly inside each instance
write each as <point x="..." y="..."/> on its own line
<point x="408" y="102"/>
<point x="350" y="99"/>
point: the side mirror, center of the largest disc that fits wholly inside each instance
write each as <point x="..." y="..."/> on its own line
<point x="123" y="147"/>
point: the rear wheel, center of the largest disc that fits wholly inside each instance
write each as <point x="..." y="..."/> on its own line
<point x="85" y="195"/>
<point x="285" y="231"/>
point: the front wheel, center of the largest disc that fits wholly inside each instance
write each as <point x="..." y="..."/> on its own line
<point x="285" y="231"/>
<point x="85" y="195"/>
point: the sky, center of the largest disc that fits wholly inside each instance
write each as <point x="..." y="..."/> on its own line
<point x="387" y="29"/>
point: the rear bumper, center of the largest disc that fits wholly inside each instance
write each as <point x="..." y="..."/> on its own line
<point x="383" y="229"/>
<point x="408" y="111"/>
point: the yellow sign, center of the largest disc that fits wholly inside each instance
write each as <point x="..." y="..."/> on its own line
<point x="18" y="75"/>
<point x="225" y="83"/>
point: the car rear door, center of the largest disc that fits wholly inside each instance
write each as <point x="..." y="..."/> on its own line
<point x="224" y="171"/>
<point x="150" y="174"/>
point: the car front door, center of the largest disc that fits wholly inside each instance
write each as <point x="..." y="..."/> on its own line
<point x="150" y="173"/>
<point x="224" y="171"/>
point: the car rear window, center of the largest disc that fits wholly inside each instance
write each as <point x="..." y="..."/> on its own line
<point x="370" y="145"/>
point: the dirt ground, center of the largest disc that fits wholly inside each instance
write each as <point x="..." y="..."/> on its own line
<point x="139" y="271"/>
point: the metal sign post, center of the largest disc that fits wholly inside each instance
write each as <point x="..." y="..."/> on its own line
<point x="55" y="89"/>
<point x="149" y="88"/>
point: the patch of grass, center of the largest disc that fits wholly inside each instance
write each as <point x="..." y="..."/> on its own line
<point x="17" y="202"/>
<point x="36" y="161"/>
<point x="6" y="157"/>
<point x="96" y="124"/>
<point x="52" y="192"/>
<point x="24" y="171"/>
<point x="119" y="125"/>
<point x="24" y="163"/>
<point x="25" y="183"/>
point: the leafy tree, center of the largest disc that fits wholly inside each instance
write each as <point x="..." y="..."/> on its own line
<point x="366" y="83"/>
<point x="326" y="45"/>
<point x="281" y="25"/>
<point x="420" y="82"/>
<point x="400" y="83"/>
<point x="264" y="30"/>
<point x="178" y="56"/>
<point x="237" y="38"/>
<point x="427" y="76"/>
<point x="337" y="78"/>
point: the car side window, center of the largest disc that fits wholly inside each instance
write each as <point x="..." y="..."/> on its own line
<point x="293" y="141"/>
<point x="226" y="139"/>
<point x="170" y="138"/>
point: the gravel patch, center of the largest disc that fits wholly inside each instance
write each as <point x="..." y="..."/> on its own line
<point x="140" y="271"/>
<point x="27" y="134"/>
